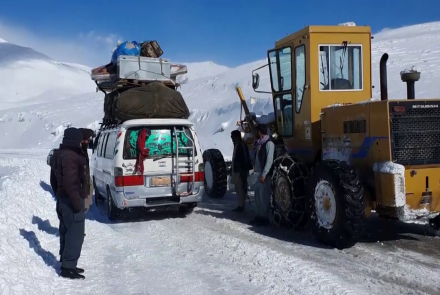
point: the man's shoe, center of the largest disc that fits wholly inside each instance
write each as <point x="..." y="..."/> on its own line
<point x="79" y="270"/>
<point x="71" y="274"/>
<point x="238" y="209"/>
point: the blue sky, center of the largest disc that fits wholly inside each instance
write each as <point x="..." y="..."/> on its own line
<point x="228" y="32"/>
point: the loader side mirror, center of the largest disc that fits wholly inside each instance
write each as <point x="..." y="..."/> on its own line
<point x="255" y="81"/>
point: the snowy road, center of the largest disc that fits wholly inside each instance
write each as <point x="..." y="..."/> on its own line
<point x="211" y="251"/>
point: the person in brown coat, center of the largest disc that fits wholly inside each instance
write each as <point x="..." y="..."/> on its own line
<point x="86" y="135"/>
<point x="70" y="174"/>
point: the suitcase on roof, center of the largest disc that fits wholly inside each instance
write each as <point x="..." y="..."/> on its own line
<point x="151" y="49"/>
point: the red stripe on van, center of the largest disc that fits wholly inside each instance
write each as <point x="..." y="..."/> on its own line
<point x="129" y="180"/>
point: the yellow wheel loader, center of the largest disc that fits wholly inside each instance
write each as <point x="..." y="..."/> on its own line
<point x="346" y="153"/>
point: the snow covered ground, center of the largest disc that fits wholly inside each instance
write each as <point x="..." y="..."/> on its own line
<point x="211" y="251"/>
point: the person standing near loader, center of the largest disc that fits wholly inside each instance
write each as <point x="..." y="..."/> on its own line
<point x="241" y="164"/>
<point x="264" y="154"/>
<point x="71" y="194"/>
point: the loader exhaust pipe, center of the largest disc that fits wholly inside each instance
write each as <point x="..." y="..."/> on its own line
<point x="383" y="77"/>
<point x="410" y="78"/>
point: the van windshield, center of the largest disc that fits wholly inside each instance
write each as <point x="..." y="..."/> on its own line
<point x="160" y="140"/>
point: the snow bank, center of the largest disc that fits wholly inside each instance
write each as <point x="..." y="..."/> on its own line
<point x="3" y="41"/>
<point x="42" y="125"/>
<point x="21" y="205"/>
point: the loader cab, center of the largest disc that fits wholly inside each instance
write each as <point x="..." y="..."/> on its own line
<point x="309" y="70"/>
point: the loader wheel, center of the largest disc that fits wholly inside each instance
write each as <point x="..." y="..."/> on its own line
<point x="288" y="200"/>
<point x="336" y="203"/>
<point x="215" y="173"/>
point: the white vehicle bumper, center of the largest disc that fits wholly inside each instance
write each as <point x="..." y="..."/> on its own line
<point x="122" y="201"/>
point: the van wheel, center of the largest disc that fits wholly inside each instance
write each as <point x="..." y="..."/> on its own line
<point x="98" y="197"/>
<point x="186" y="210"/>
<point x="215" y="173"/>
<point x="113" y="212"/>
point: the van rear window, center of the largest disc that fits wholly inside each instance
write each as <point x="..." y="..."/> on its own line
<point x="160" y="140"/>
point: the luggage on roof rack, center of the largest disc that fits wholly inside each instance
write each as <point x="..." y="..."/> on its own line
<point x="134" y="68"/>
<point x="153" y="100"/>
<point x="151" y="49"/>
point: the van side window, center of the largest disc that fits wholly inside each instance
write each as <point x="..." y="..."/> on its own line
<point x="98" y="150"/>
<point x="160" y="141"/>
<point x="104" y="140"/>
<point x="110" y="147"/>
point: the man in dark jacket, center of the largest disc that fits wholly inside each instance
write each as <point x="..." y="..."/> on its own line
<point x="53" y="177"/>
<point x="71" y="178"/>
<point x="87" y="134"/>
<point x="241" y="164"/>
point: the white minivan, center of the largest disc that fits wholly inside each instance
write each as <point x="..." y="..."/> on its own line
<point x="173" y="168"/>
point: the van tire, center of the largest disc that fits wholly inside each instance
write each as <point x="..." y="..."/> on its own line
<point x="216" y="178"/>
<point x="186" y="210"/>
<point x="113" y="212"/>
<point x="98" y="197"/>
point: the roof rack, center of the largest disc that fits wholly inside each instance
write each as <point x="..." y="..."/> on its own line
<point x="113" y="84"/>
<point x="109" y="125"/>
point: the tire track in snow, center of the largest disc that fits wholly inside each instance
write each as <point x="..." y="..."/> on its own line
<point x="369" y="265"/>
<point x="273" y="272"/>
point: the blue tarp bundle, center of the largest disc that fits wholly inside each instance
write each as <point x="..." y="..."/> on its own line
<point x="127" y="48"/>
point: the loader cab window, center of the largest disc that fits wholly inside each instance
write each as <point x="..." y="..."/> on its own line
<point x="280" y="68"/>
<point x="300" y="74"/>
<point x="284" y="115"/>
<point x="340" y="67"/>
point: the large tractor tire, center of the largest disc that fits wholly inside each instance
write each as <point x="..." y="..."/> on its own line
<point x="336" y="203"/>
<point x="215" y="173"/>
<point x="288" y="201"/>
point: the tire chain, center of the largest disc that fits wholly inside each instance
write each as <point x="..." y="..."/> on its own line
<point x="278" y="214"/>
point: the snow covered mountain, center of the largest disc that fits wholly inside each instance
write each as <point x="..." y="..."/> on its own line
<point x="11" y="53"/>
<point x="40" y="97"/>
<point x="28" y="77"/>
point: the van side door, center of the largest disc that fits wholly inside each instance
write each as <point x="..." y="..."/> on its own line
<point x="107" y="160"/>
<point x="99" y="179"/>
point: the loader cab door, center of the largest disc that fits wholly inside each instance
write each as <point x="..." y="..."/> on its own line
<point x="280" y="70"/>
<point x="291" y="96"/>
